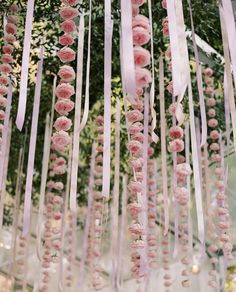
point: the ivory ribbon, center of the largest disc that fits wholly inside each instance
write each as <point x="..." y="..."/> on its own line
<point x="127" y="50"/>
<point x="229" y="21"/>
<point x="107" y="100"/>
<point x="32" y="146"/>
<point x="86" y="103"/>
<point x="199" y="82"/>
<point x="76" y="137"/>
<point x="163" y="147"/>
<point x="155" y="138"/>
<point x="3" y="147"/>
<point x="115" y="202"/>
<point x="25" y="66"/>
<point x="196" y="170"/>
<point x="88" y="220"/>
<point x="228" y="86"/>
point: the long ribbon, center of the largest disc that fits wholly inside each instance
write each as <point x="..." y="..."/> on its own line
<point x="229" y="90"/>
<point x="155" y="138"/>
<point x="4" y="136"/>
<point x="33" y="138"/>
<point x="107" y="100"/>
<point x="227" y="109"/>
<point x="25" y="66"/>
<point x="76" y="137"/>
<point x="196" y="170"/>
<point x="86" y="103"/>
<point x="163" y="147"/>
<point x="115" y="202"/>
<point x="229" y="21"/>
<point x="199" y="82"/>
<point x="127" y="50"/>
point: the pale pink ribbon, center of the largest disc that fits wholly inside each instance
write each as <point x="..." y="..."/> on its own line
<point x="127" y="50"/>
<point x="32" y="147"/>
<point x="163" y="147"/>
<point x="155" y="138"/>
<point x="76" y="137"/>
<point x="88" y="220"/>
<point x="229" y="90"/>
<point x="3" y="147"/>
<point x="25" y="66"/>
<point x="115" y="203"/>
<point x="107" y="100"/>
<point x="199" y="82"/>
<point x="86" y="102"/>
<point x="196" y="170"/>
<point x="229" y="18"/>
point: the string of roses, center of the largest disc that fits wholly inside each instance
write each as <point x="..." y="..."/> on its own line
<point x="181" y="172"/>
<point x="59" y="143"/>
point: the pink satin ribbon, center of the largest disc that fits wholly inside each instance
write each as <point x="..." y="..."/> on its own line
<point x="127" y="50"/>
<point x="25" y="65"/>
<point x="76" y="137"/>
<point x="163" y="148"/>
<point x="199" y="83"/>
<point x="107" y="100"/>
<point x="32" y="147"/>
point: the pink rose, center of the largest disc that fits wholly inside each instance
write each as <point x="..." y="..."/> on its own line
<point x="173" y="107"/>
<point x="6" y="58"/>
<point x="66" y="55"/>
<point x="10" y="38"/>
<point x="138" y="104"/>
<point x="4" y="80"/>
<point x="183" y="170"/>
<point x="141" y="21"/>
<point x="59" y="169"/>
<point x="212" y="123"/>
<point x="215" y="147"/>
<point x="135" y="128"/>
<point x="137" y="2"/>
<point x="8" y="49"/>
<point x="2" y="115"/>
<point x="215" y="157"/>
<point x="165" y="29"/>
<point x="168" y="53"/>
<point x="61" y="138"/>
<point x="143" y="77"/>
<point x="64" y="90"/>
<point x="59" y="148"/>
<point x="180" y="159"/>
<point x="58" y="186"/>
<point x="142" y="56"/>
<point x="68" y="13"/>
<point x="181" y="195"/>
<point x="67" y="73"/>
<point x="3" y="101"/>
<point x="208" y="81"/>
<point x="211" y="101"/>
<point x="68" y="26"/>
<point x="134" y="146"/>
<point x="70" y="2"/>
<point x="137" y="229"/>
<point x="214" y="135"/>
<point x="209" y="90"/>
<point x="138" y="137"/>
<point x="60" y="161"/>
<point x="211" y="113"/>
<point x="50" y="184"/>
<point x="64" y="106"/>
<point x="138" y="244"/>
<point x="164" y="4"/>
<point x="99" y="120"/>
<point x="150" y="151"/>
<point x="14" y="8"/>
<point x="176" y="145"/>
<point x="57" y="216"/>
<point x="176" y="132"/>
<point x="208" y="72"/>
<point x="62" y="123"/>
<point x="135" y="186"/>
<point x="3" y="90"/>
<point x="170" y="88"/>
<point x="140" y="36"/>
<point x="136" y="163"/>
<point x="134" y="116"/>
<point x="5" y="68"/>
<point x="11" y="28"/>
<point x="12" y="19"/>
<point x="66" y="40"/>
<point x="135" y="10"/>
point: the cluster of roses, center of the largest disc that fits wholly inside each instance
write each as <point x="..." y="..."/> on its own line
<point x="223" y="208"/>
<point x="182" y="170"/>
<point x="19" y="271"/>
<point x="59" y="143"/>
<point x="142" y="58"/>
<point x="69" y="275"/>
<point x="7" y="59"/>
<point x="96" y="225"/>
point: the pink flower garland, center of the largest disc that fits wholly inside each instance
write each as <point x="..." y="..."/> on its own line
<point x="60" y="141"/>
<point x="7" y="59"/>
